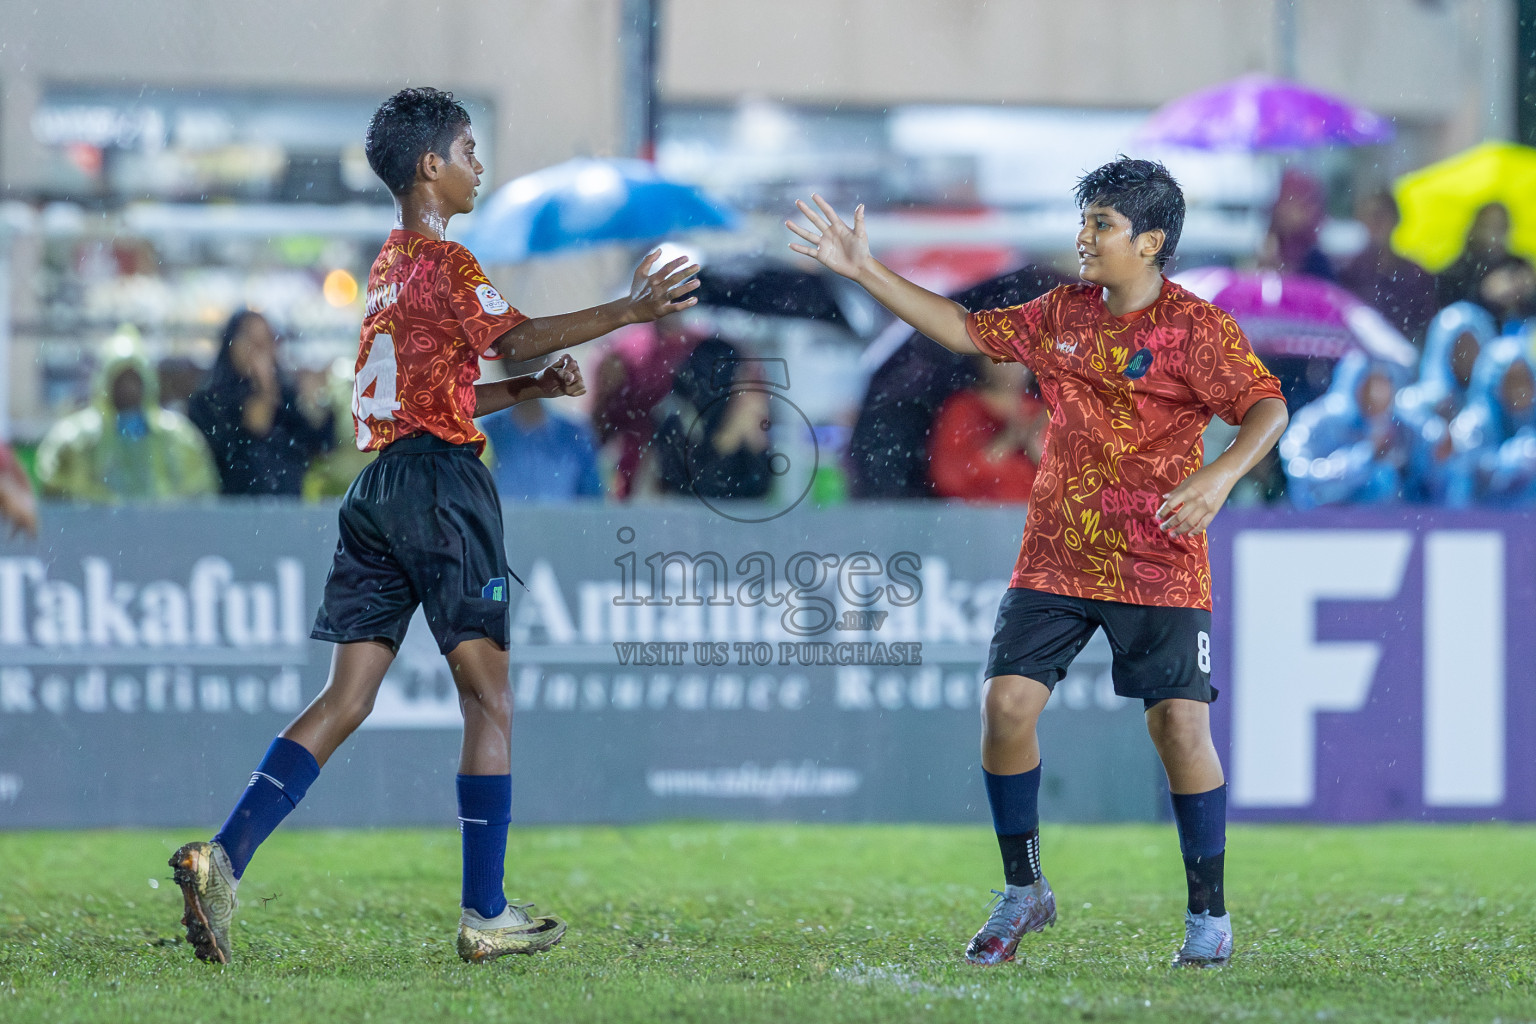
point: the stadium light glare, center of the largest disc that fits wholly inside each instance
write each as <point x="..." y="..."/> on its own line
<point x="340" y="288"/>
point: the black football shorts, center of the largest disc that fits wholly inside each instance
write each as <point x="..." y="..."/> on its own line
<point x="421" y="525"/>
<point x="1159" y="653"/>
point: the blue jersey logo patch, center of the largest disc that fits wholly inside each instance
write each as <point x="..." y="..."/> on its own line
<point x="1140" y="363"/>
<point x="496" y="590"/>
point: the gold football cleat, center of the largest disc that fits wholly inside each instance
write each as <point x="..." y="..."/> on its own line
<point x="518" y="929"/>
<point x="208" y="887"/>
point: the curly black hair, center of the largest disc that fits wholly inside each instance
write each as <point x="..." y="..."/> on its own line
<point x="1144" y="192"/>
<point x="409" y="124"/>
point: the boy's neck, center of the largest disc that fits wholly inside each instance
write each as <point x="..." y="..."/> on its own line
<point x="422" y="214"/>
<point x="1131" y="296"/>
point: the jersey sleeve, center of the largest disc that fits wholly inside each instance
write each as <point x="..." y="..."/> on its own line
<point x="1010" y="335"/>
<point x="484" y="314"/>
<point x="1224" y="372"/>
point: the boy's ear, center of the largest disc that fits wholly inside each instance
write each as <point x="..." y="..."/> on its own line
<point x="430" y="166"/>
<point x="1150" y="243"/>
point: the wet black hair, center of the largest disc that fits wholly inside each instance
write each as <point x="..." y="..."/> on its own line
<point x="407" y="126"/>
<point x="1142" y="191"/>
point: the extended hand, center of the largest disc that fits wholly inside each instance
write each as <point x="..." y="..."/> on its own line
<point x="1190" y="507"/>
<point x="561" y="377"/>
<point x="841" y="249"/>
<point x="654" y="294"/>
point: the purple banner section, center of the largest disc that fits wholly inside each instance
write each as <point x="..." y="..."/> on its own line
<point x="1376" y="664"/>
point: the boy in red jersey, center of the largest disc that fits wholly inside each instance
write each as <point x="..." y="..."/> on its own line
<point x="1131" y="367"/>
<point x="422" y="524"/>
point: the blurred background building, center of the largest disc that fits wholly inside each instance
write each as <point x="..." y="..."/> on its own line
<point x="165" y="162"/>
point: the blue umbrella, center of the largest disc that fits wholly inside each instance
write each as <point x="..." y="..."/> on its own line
<point x="587" y="202"/>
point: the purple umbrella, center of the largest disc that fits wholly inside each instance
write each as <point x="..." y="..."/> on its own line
<point x="1298" y="315"/>
<point x="1257" y="112"/>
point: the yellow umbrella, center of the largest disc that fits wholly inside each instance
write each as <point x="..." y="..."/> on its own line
<point x="1438" y="202"/>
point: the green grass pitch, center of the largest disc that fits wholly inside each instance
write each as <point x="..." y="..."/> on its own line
<point x="741" y="923"/>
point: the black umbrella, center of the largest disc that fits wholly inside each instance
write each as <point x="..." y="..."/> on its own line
<point x="888" y="452"/>
<point x="774" y="288"/>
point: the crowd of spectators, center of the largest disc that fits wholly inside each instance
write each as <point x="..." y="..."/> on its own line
<point x="1458" y="429"/>
<point x="669" y="415"/>
<point x="1461" y="429"/>
<point x="1463" y="433"/>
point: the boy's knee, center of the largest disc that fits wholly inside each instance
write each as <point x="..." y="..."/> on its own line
<point x="1009" y="706"/>
<point x="494" y="701"/>
<point x="1179" y="725"/>
<point x="360" y="714"/>
<point x="348" y="708"/>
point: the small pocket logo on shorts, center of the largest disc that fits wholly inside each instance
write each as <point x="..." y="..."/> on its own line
<point x="496" y="590"/>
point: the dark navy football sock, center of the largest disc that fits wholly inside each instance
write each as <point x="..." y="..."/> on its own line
<point x="276" y="787"/>
<point x="1202" y="823"/>
<point x="485" y="811"/>
<point x="1021" y="857"/>
<point x="1015" y="801"/>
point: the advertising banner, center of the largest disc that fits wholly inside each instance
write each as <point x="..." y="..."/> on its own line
<point x="672" y="661"/>
<point x="668" y="661"/>
<point x="1382" y="664"/>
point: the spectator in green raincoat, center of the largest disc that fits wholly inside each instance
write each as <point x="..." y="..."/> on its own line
<point x="124" y="446"/>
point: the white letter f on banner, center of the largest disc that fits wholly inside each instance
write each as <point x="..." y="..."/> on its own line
<point x="1284" y="675"/>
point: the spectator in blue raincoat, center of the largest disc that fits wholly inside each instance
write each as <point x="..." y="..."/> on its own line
<point x="1456" y="337"/>
<point x="1348" y="447"/>
<point x="1494" y="437"/>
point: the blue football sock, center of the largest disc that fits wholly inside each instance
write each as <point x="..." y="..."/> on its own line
<point x="1202" y="823"/>
<point x="276" y="787"/>
<point x="485" y="810"/>
<point x="1015" y="801"/>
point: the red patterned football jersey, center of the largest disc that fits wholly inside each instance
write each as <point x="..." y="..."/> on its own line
<point x="431" y="317"/>
<point x="1129" y="398"/>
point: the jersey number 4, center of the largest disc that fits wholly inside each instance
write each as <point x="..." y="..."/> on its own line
<point x="378" y="372"/>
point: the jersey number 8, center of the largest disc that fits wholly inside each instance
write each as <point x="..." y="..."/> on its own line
<point x="379" y="372"/>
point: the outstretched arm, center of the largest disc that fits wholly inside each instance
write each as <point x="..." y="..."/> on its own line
<point x="652" y="295"/>
<point x="562" y="377"/>
<point x="845" y="250"/>
<point x="1190" y="507"/>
